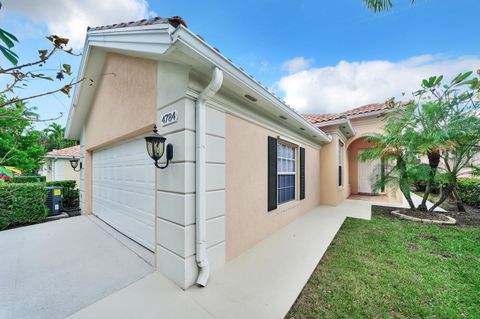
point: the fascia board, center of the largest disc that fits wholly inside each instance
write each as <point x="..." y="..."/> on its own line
<point x="343" y="121"/>
<point x="61" y="156"/>
<point x="154" y="39"/>
<point x="357" y="116"/>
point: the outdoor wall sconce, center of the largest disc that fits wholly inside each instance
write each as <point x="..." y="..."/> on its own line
<point x="74" y="163"/>
<point x="156" y="147"/>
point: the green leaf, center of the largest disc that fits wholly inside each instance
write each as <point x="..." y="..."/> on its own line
<point x="9" y="54"/>
<point x="6" y="40"/>
<point x="42" y="76"/>
<point x="8" y="34"/>
<point x="462" y="76"/>
<point x="439" y="80"/>
<point x="426" y="83"/>
<point x="67" y="68"/>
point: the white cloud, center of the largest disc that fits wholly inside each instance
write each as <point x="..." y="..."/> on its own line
<point x="297" y="64"/>
<point x="350" y="84"/>
<point x="70" y="18"/>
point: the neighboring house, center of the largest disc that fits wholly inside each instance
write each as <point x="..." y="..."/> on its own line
<point x="57" y="165"/>
<point x="257" y="165"/>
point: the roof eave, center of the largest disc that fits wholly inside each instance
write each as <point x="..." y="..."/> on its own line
<point x="153" y="39"/>
<point x="184" y="35"/>
<point x="146" y="39"/>
<point x="338" y="122"/>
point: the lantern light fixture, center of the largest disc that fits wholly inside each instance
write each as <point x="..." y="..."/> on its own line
<point x="156" y="147"/>
<point x="74" y="163"/>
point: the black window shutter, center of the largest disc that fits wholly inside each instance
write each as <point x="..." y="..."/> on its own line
<point x="302" y="173"/>
<point x="272" y="173"/>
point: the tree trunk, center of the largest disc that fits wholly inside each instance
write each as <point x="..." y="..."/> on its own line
<point x="433" y="161"/>
<point x="423" y="204"/>
<point x="458" y="201"/>
<point x="446" y="192"/>
<point x="404" y="185"/>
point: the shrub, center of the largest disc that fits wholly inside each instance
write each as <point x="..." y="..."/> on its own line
<point x="22" y="203"/>
<point x="469" y="191"/>
<point x="71" y="195"/>
<point x="28" y="179"/>
<point x="421" y="186"/>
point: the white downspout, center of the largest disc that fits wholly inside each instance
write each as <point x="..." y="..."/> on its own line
<point x="200" y="208"/>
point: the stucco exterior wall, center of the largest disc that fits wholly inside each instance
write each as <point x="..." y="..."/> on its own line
<point x="125" y="101"/>
<point x="124" y="106"/>
<point x="59" y="169"/>
<point x="332" y="193"/>
<point x="353" y="150"/>
<point x="365" y="127"/>
<point x="247" y="218"/>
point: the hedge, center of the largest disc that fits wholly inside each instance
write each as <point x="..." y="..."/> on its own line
<point x="28" y="179"/>
<point x="469" y="191"/>
<point x="22" y="203"/>
<point x="71" y="195"/>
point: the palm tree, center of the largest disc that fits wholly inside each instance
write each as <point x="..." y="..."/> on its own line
<point x="392" y="147"/>
<point x="446" y="121"/>
<point x="54" y="137"/>
<point x="380" y="5"/>
<point x="54" y="133"/>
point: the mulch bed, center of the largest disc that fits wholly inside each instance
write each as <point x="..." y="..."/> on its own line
<point x="469" y="218"/>
<point x="423" y="215"/>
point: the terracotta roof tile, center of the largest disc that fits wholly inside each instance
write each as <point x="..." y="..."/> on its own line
<point x="319" y="118"/>
<point x="173" y="21"/>
<point x="65" y="152"/>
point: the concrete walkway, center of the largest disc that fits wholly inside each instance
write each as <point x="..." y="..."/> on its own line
<point x="261" y="283"/>
<point x="54" y="269"/>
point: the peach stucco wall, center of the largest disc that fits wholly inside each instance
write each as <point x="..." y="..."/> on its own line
<point x="365" y="127"/>
<point x="333" y="194"/>
<point x="247" y="218"/>
<point x="124" y="106"/>
<point x="125" y="101"/>
<point x="354" y="148"/>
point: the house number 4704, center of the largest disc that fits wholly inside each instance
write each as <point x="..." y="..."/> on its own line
<point x="169" y="118"/>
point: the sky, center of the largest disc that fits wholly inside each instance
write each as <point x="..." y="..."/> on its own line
<point x="320" y="56"/>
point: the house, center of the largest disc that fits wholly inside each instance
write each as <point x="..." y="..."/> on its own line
<point x="57" y="164"/>
<point x="244" y="163"/>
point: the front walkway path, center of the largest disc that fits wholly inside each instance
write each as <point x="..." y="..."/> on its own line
<point x="54" y="269"/>
<point x="261" y="283"/>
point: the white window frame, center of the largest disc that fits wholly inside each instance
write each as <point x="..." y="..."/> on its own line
<point x="289" y="173"/>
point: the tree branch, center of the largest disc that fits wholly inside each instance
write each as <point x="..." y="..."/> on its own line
<point x="19" y="67"/>
<point x="16" y="100"/>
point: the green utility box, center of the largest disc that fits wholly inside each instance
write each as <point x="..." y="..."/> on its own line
<point x="54" y="200"/>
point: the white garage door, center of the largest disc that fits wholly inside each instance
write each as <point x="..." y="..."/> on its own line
<point x="123" y="189"/>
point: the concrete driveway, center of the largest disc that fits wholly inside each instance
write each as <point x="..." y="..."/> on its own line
<point x="54" y="269"/>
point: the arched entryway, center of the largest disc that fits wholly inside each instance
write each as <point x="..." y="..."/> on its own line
<point x="362" y="174"/>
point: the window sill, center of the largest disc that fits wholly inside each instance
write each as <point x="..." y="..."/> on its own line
<point x="286" y="206"/>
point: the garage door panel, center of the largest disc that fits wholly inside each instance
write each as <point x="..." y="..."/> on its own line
<point x="124" y="188"/>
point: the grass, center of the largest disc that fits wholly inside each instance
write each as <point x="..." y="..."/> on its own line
<point x="390" y="268"/>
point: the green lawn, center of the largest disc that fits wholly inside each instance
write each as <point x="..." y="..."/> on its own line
<point x="390" y="268"/>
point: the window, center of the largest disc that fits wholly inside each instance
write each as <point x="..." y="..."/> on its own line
<point x="340" y="163"/>
<point x="285" y="173"/>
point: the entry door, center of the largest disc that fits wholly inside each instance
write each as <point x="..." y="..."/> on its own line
<point x="124" y="189"/>
<point x="366" y="175"/>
